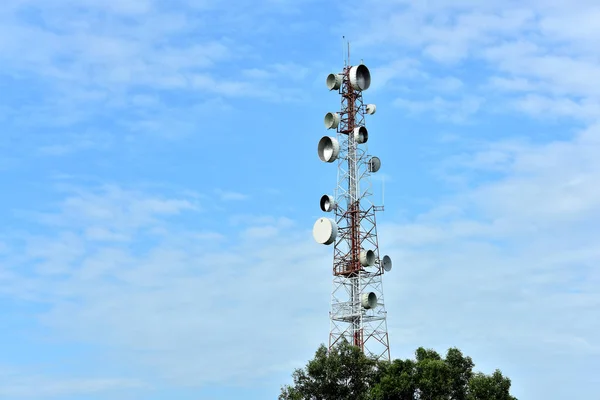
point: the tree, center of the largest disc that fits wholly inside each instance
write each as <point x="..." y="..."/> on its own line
<point x="398" y="380"/>
<point x="343" y="373"/>
<point x="461" y="371"/>
<point x="483" y="387"/>
<point x="432" y="377"/>
<point x="346" y="373"/>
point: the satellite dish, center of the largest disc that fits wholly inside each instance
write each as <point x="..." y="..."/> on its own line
<point x="327" y="203"/>
<point x="334" y="81"/>
<point x="371" y="108"/>
<point x="329" y="149"/>
<point x="332" y="120"/>
<point x="360" y="77"/>
<point x="325" y="231"/>
<point x="386" y="263"/>
<point x="367" y="258"/>
<point x="368" y="300"/>
<point x="361" y="135"/>
<point x="374" y="164"/>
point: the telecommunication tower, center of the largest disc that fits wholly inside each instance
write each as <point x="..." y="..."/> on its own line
<point x="357" y="304"/>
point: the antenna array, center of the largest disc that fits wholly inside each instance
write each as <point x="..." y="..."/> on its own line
<point x="357" y="303"/>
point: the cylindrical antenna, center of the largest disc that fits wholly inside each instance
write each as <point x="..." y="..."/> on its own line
<point x="344" y="50"/>
<point x="348" y="52"/>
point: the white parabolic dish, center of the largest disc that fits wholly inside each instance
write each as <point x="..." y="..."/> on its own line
<point x="386" y="262"/>
<point x="334" y="81"/>
<point x="327" y="203"/>
<point x="367" y="258"/>
<point x="325" y="231"/>
<point x="361" y="135"/>
<point x="332" y="120"/>
<point x="368" y="300"/>
<point x="328" y="149"/>
<point x="374" y="164"/>
<point x="360" y="77"/>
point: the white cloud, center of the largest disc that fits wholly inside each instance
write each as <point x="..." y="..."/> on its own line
<point x="288" y="71"/>
<point x="533" y="238"/>
<point x="553" y="182"/>
<point x="534" y="50"/>
<point x="387" y="73"/>
<point x="91" y="60"/>
<point x="15" y="385"/>
<point x="226" y="195"/>
<point x="68" y="143"/>
<point x="550" y="108"/>
<point x="165" y="305"/>
<point x="122" y="207"/>
<point x="103" y="234"/>
<point x="512" y="84"/>
<point x="509" y="261"/>
<point x="458" y="111"/>
<point x="447" y="84"/>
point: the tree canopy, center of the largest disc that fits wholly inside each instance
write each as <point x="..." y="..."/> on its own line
<point x="346" y="373"/>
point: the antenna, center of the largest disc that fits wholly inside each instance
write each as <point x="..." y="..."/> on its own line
<point x="344" y="50"/>
<point x="348" y="52"/>
<point x="357" y="309"/>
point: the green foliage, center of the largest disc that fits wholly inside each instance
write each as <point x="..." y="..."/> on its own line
<point x="483" y="387"/>
<point x="461" y="371"/>
<point x="346" y="373"/>
<point x="398" y="381"/>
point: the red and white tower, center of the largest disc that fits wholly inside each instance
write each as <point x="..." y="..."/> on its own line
<point x="357" y="302"/>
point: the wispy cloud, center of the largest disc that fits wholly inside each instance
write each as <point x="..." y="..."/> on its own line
<point x="130" y="62"/>
<point x="458" y="111"/>
<point x="526" y="45"/>
<point x="490" y="219"/>
<point x="511" y="267"/>
<point x="106" y="293"/>
<point x="14" y="385"/>
<point x="226" y="195"/>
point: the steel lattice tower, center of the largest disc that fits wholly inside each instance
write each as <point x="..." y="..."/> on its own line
<point x="357" y="302"/>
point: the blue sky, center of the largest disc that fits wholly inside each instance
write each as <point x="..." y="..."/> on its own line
<point x="161" y="180"/>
